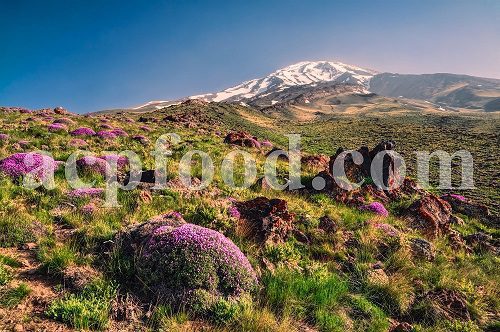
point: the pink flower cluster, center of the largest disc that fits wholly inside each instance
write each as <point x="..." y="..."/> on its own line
<point x="86" y="192"/>
<point x="20" y="164"/>
<point x="455" y="196"/>
<point x="57" y="127"/>
<point x="102" y="163"/>
<point x="83" y="131"/>
<point x="104" y="134"/>
<point x="377" y="208"/>
<point x="4" y="137"/>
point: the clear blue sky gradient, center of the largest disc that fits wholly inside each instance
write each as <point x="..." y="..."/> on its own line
<point x="92" y="55"/>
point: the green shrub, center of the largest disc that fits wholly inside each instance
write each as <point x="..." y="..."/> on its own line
<point x="5" y="275"/>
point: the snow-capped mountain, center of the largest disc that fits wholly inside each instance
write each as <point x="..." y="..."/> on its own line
<point x="302" y="73"/>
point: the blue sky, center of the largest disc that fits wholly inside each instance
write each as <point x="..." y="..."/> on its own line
<point x="92" y="55"/>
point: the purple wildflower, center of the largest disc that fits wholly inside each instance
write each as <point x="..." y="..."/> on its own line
<point x="145" y="128"/>
<point x="23" y="143"/>
<point x="83" y="131"/>
<point x="387" y="229"/>
<point x="4" y="137"/>
<point x="25" y="111"/>
<point x="20" y="164"/>
<point x="455" y="196"/>
<point x="92" y="164"/>
<point x="106" y="126"/>
<point x="377" y="208"/>
<point x="140" y="138"/>
<point x="121" y="161"/>
<point x="57" y="127"/>
<point x="119" y="132"/>
<point x="106" y="134"/>
<point x="89" y="208"/>
<point x="234" y="212"/>
<point x="266" y="143"/>
<point x="86" y="192"/>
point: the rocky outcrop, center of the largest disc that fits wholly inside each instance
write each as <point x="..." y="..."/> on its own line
<point x="462" y="205"/>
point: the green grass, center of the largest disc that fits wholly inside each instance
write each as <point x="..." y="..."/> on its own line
<point x="87" y="310"/>
<point x="12" y="296"/>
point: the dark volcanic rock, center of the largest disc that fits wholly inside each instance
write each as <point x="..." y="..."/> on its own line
<point x="431" y="215"/>
<point x="269" y="219"/>
<point x="328" y="225"/>
<point x="242" y="138"/>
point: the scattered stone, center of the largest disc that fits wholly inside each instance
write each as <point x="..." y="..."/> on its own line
<point x="77" y="277"/>
<point x="423" y="249"/>
<point x="328" y="225"/>
<point x="315" y="161"/>
<point x="483" y="242"/>
<point x="400" y="326"/>
<point x="447" y="304"/>
<point x="462" y="205"/>
<point x="377" y="277"/>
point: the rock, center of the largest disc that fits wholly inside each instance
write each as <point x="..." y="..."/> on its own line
<point x="462" y="205"/>
<point x="400" y="326"/>
<point x="315" y="161"/>
<point x="242" y="138"/>
<point x="328" y="225"/>
<point x="483" y="242"/>
<point x="446" y="304"/>
<point x="431" y="215"/>
<point x="377" y="277"/>
<point x="423" y="249"/>
<point x="18" y="328"/>
<point x="269" y="220"/>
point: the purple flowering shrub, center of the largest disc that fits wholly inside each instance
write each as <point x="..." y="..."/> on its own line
<point x="4" y="137"/>
<point x="181" y="260"/>
<point x="83" y="131"/>
<point x="119" y="132"/>
<point x="185" y="264"/>
<point x="85" y="192"/>
<point x="106" y="134"/>
<point x="20" y="164"/>
<point x="455" y="196"/>
<point x="102" y="163"/>
<point x="57" y="127"/>
<point x="92" y="164"/>
<point x="377" y="208"/>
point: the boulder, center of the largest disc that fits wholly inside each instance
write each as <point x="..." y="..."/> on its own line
<point x="422" y="249"/>
<point x="462" y="205"/>
<point x="431" y="215"/>
<point x="483" y="242"/>
<point x="269" y="219"/>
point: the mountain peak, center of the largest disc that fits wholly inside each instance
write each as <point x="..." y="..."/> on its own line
<point x="301" y="73"/>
